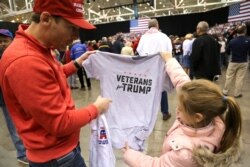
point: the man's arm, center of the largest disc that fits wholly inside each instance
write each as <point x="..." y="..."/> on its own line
<point x="196" y="53"/>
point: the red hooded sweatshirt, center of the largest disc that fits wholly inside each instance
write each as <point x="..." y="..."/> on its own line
<point x="39" y="99"/>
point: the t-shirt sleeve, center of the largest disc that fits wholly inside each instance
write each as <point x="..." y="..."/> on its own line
<point x="93" y="66"/>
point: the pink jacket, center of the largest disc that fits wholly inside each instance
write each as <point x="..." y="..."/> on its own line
<point x="180" y="139"/>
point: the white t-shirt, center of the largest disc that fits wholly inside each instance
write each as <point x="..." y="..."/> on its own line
<point x="223" y="46"/>
<point x="101" y="151"/>
<point x="187" y="47"/>
<point x="135" y="85"/>
<point x="154" y="41"/>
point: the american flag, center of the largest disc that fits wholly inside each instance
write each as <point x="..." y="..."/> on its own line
<point x="239" y="11"/>
<point x="139" y="25"/>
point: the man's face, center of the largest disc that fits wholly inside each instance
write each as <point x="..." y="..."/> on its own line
<point x="4" y="42"/>
<point x="198" y="30"/>
<point x="62" y="33"/>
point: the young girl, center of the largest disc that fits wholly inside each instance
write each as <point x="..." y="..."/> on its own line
<point x="206" y="131"/>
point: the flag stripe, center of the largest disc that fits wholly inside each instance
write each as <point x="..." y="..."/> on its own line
<point x="239" y="19"/>
<point x="139" y="25"/>
<point x="239" y="15"/>
<point x="245" y="11"/>
<point x="239" y="11"/>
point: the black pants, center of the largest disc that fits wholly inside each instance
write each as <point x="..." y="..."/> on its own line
<point x="81" y="72"/>
<point x="209" y="77"/>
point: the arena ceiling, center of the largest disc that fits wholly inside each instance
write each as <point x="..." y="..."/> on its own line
<point x="104" y="11"/>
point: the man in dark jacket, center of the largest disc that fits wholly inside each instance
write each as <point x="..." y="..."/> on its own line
<point x="118" y="45"/>
<point x="237" y="68"/>
<point x="205" y="57"/>
<point x="105" y="46"/>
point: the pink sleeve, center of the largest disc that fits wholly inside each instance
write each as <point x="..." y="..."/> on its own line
<point x="176" y="73"/>
<point x="180" y="158"/>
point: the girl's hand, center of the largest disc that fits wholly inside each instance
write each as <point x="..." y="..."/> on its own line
<point x="124" y="149"/>
<point x="166" y="55"/>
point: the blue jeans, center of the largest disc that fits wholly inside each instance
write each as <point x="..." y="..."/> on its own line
<point x="179" y="58"/>
<point x="164" y="102"/>
<point x="21" y="152"/>
<point x="72" y="159"/>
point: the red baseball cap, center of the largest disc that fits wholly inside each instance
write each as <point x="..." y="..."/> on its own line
<point x="71" y="10"/>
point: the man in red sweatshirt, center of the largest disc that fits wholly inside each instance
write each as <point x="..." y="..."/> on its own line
<point x="35" y="88"/>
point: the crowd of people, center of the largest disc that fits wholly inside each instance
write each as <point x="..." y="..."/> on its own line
<point x="127" y="43"/>
<point x="46" y="130"/>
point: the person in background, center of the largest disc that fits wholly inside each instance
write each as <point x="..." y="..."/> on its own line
<point x="127" y="49"/>
<point x="76" y="51"/>
<point x="118" y="44"/>
<point x="95" y="45"/>
<point x="67" y="54"/>
<point x="237" y="68"/>
<point x="205" y="56"/>
<point x="206" y="131"/>
<point x="56" y="54"/>
<point x="110" y="42"/>
<point x="66" y="59"/>
<point x="135" y="43"/>
<point x="90" y="46"/>
<point x="177" y="49"/>
<point x="187" y="50"/>
<point x="5" y="40"/>
<point x="104" y="45"/>
<point x="223" y="55"/>
<point x="153" y="42"/>
<point x="35" y="89"/>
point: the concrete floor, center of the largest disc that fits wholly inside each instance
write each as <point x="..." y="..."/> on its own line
<point x="154" y="143"/>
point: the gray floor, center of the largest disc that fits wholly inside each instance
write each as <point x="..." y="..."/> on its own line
<point x="154" y="143"/>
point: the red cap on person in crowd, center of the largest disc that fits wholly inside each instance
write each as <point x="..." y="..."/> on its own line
<point x="70" y="10"/>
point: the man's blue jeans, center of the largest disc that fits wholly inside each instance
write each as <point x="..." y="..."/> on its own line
<point x="21" y="152"/>
<point x="164" y="102"/>
<point x="72" y="159"/>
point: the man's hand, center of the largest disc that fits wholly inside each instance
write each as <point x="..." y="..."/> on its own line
<point x="166" y="55"/>
<point x="102" y="104"/>
<point x="84" y="56"/>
